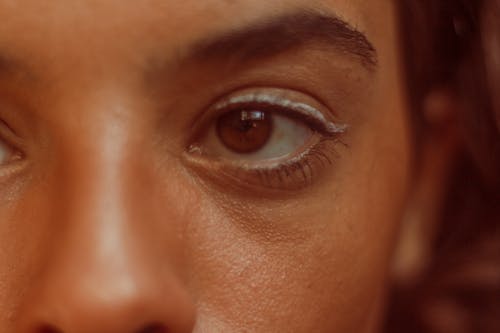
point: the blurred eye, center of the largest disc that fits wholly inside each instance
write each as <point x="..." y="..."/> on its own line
<point x="273" y="134"/>
<point x="7" y="152"/>
<point x="4" y="153"/>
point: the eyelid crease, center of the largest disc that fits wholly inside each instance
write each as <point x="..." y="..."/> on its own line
<point x="302" y="108"/>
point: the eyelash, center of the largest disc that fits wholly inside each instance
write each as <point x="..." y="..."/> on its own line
<point x="297" y="172"/>
<point x="304" y="167"/>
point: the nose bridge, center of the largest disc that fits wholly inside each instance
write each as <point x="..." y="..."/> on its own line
<point x="93" y="180"/>
<point x="93" y="192"/>
<point x="97" y="171"/>
<point x="103" y="275"/>
<point x="96" y="219"/>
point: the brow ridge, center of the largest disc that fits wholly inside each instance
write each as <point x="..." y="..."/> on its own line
<point x="278" y="34"/>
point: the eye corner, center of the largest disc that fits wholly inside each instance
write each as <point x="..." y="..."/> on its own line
<point x="12" y="152"/>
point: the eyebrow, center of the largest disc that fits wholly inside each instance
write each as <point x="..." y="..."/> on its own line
<point x="279" y="34"/>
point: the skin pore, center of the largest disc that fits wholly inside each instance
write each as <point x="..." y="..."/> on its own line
<point x="122" y="211"/>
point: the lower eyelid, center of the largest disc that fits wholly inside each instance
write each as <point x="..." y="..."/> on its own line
<point x="292" y="174"/>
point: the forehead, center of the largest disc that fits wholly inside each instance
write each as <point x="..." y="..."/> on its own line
<point x="116" y="25"/>
<point x="113" y="11"/>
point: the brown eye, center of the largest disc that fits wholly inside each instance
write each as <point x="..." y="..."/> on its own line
<point x="244" y="132"/>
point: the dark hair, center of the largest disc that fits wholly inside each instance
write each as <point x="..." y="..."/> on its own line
<point x="460" y="289"/>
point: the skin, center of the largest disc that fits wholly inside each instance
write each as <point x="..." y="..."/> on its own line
<point x="106" y="226"/>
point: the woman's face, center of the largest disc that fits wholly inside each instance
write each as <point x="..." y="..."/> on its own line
<point x="216" y="166"/>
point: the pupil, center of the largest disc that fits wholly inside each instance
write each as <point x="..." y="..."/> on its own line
<point x="246" y="125"/>
<point x="244" y="132"/>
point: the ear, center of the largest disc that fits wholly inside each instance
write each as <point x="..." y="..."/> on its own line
<point x="439" y="147"/>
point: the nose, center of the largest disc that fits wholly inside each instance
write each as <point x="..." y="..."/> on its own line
<point x="113" y="299"/>
<point x="108" y="270"/>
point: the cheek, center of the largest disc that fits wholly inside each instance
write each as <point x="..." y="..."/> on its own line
<point x="23" y="243"/>
<point x="326" y="281"/>
<point x="316" y="264"/>
<point x="247" y="282"/>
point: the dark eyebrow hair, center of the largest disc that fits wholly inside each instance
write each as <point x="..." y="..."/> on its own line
<point x="278" y="34"/>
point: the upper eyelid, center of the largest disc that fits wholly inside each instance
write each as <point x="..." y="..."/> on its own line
<point x="225" y="102"/>
<point x="301" y="108"/>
